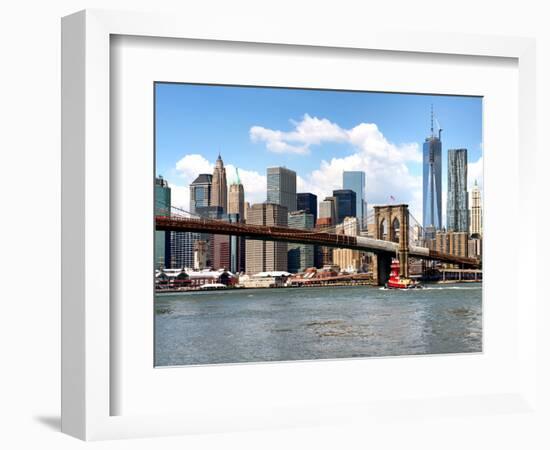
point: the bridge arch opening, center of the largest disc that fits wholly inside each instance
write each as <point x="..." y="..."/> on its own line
<point x="383" y="232"/>
<point x="395" y="226"/>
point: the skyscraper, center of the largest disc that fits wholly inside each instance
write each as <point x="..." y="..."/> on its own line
<point x="217" y="244"/>
<point x="476" y="212"/>
<point x="200" y="191"/>
<point x="219" y="185"/>
<point x="281" y="187"/>
<point x="329" y="208"/>
<point x="236" y="198"/>
<point x="306" y="201"/>
<point x="163" y="202"/>
<point x="182" y="246"/>
<point x="346" y="204"/>
<point x="236" y="209"/>
<point x="356" y="181"/>
<point x="264" y="256"/>
<point x="237" y="247"/>
<point x="300" y="256"/>
<point x="457" y="190"/>
<point x="431" y="183"/>
<point x="183" y="243"/>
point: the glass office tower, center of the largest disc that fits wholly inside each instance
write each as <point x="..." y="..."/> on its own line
<point x="200" y="192"/>
<point x="163" y="202"/>
<point x="306" y="201"/>
<point x="431" y="184"/>
<point x="356" y="181"/>
<point x="346" y="204"/>
<point x="281" y="187"/>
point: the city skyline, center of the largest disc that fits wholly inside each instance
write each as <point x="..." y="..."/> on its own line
<point x="319" y="141"/>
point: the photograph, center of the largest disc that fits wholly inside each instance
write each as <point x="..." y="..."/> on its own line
<point x="299" y="224"/>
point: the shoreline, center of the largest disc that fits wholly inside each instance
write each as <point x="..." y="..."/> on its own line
<point x="335" y="285"/>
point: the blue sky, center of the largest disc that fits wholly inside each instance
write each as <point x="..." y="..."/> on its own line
<point x="316" y="133"/>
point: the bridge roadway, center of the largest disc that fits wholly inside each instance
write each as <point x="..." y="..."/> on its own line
<point x="301" y="236"/>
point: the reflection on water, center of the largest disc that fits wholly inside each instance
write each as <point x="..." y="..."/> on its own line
<point x="315" y="323"/>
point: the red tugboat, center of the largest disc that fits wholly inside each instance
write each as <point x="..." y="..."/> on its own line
<point x="398" y="282"/>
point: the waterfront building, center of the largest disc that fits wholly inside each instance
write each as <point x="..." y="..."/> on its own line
<point x="348" y="260"/>
<point x="219" y="186"/>
<point x="356" y="181"/>
<point x="264" y="256"/>
<point x="476" y="213"/>
<point x="457" y="190"/>
<point x="200" y="191"/>
<point x="281" y="187"/>
<point x="345" y="203"/>
<point x="300" y="256"/>
<point x="264" y="279"/>
<point x="431" y="183"/>
<point x="189" y="278"/>
<point x="306" y="201"/>
<point x="163" y="202"/>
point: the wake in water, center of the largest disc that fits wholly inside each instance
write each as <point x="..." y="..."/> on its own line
<point x="463" y="288"/>
<point x="433" y="288"/>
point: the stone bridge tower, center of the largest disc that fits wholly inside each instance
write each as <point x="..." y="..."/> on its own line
<point x="391" y="224"/>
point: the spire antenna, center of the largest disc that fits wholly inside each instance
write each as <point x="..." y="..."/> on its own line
<point x="238" y="177"/>
<point x="432" y="121"/>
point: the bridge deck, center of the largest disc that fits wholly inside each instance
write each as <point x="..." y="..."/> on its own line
<point x="300" y="236"/>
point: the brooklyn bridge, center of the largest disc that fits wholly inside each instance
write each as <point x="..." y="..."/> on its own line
<point x="391" y="238"/>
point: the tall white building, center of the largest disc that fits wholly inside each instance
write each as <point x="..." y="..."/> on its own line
<point x="476" y="211"/>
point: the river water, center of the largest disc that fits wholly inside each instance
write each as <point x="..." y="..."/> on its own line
<point x="249" y="325"/>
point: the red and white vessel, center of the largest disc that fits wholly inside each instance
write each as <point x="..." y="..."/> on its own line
<point x="398" y="282"/>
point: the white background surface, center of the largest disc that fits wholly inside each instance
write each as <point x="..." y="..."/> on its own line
<point x="29" y="177"/>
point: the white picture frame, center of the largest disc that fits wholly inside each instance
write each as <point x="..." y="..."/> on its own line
<point x="88" y="386"/>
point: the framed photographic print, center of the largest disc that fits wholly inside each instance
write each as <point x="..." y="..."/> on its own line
<point x="351" y="169"/>
<point x="268" y="229"/>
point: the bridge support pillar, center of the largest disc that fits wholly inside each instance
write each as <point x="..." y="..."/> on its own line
<point x="392" y="224"/>
<point x="381" y="266"/>
<point x="403" y="256"/>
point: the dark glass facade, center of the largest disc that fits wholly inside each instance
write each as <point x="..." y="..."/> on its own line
<point x="306" y="201"/>
<point x="346" y="204"/>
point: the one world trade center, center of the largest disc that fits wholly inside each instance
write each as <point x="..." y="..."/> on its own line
<point x="431" y="183"/>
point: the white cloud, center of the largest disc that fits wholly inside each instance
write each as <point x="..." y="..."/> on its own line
<point x="180" y="196"/>
<point x="187" y="169"/>
<point x="190" y="166"/>
<point x="475" y="172"/>
<point x="309" y="131"/>
<point x="384" y="163"/>
<point x="254" y="184"/>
